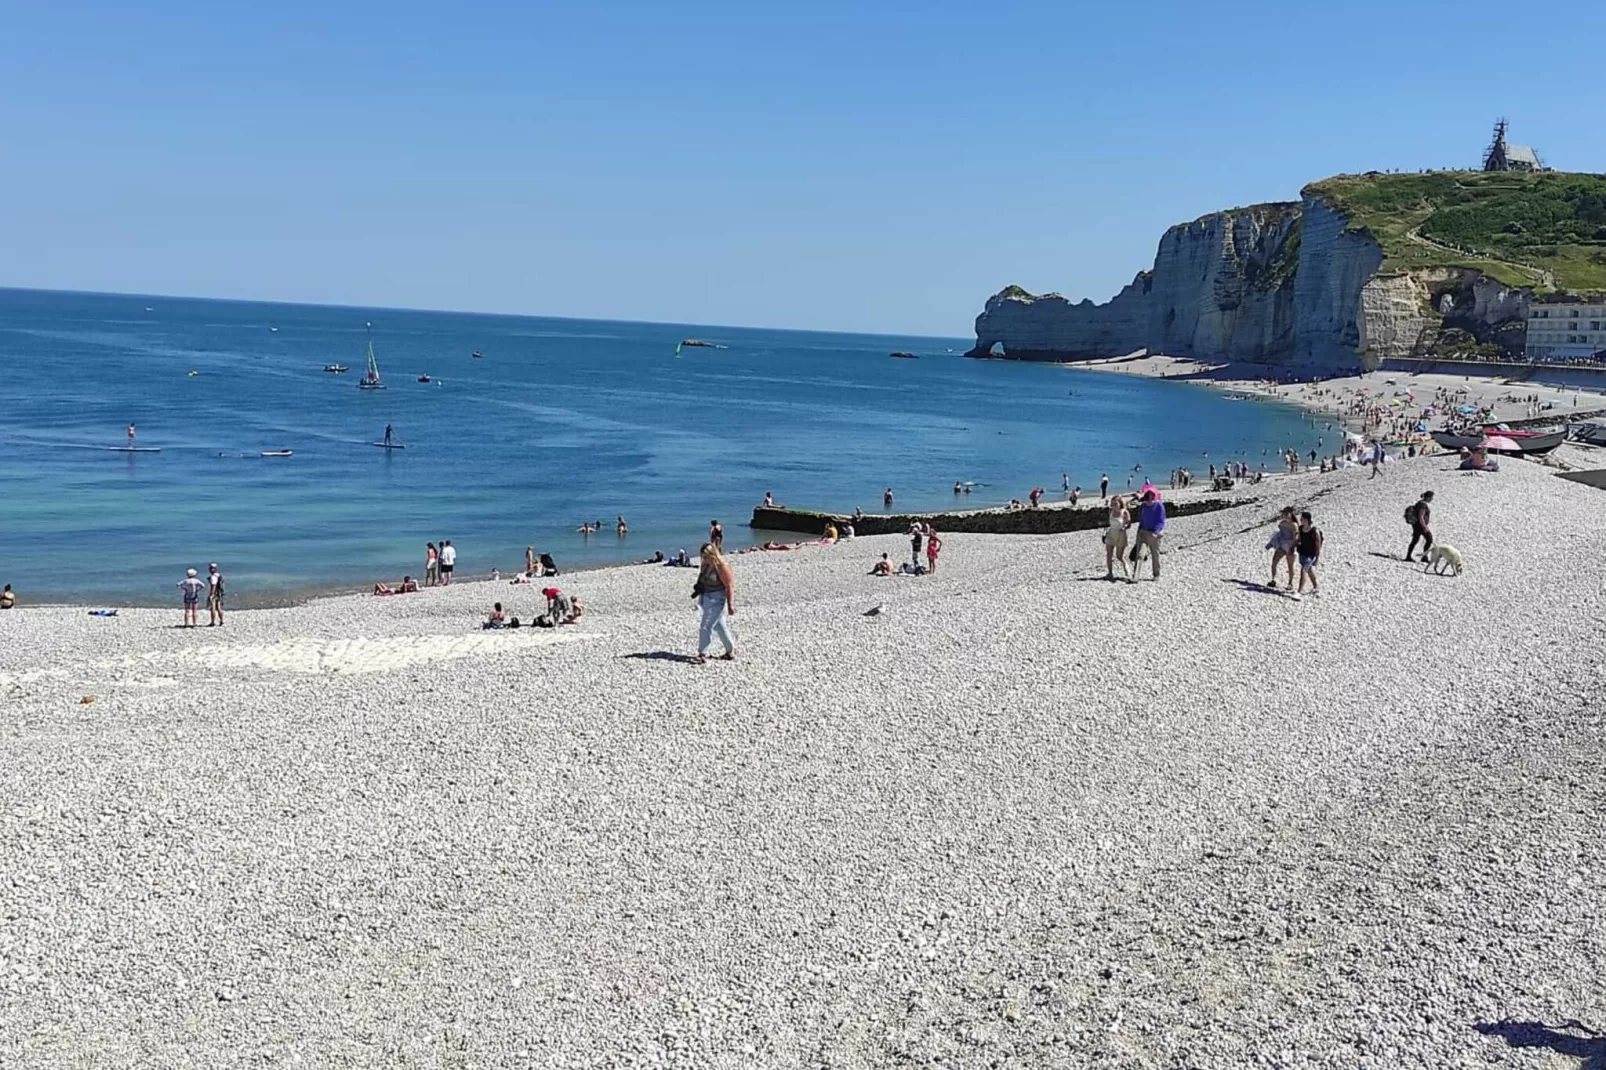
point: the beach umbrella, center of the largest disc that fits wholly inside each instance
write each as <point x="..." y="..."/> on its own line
<point x="1466" y="410"/>
<point x="1498" y="442"/>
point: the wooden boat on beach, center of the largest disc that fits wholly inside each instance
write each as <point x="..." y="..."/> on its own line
<point x="1528" y="442"/>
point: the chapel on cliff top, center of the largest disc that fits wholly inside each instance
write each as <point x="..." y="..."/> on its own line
<point x="1504" y="156"/>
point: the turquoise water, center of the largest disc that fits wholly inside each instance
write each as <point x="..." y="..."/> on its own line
<point x="562" y="421"/>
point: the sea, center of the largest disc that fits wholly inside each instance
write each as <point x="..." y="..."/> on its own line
<point x="554" y="424"/>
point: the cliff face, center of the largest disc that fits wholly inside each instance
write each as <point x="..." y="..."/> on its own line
<point x="1030" y="327"/>
<point x="1225" y="284"/>
<point x="1334" y="264"/>
<point x="1295" y="283"/>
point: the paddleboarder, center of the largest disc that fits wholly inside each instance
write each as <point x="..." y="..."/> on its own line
<point x="130" y="436"/>
<point x="387" y="434"/>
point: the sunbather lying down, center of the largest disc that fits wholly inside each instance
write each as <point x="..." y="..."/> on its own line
<point x="408" y="586"/>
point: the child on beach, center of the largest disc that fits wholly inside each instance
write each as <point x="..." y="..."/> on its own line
<point x="191" y="588"/>
<point x="1309" y="546"/>
<point x="933" y="548"/>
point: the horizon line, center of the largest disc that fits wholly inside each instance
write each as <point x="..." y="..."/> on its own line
<point x="459" y="312"/>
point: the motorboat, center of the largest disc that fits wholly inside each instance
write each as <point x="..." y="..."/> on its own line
<point x="336" y="369"/>
<point x="900" y="355"/>
<point x="423" y="378"/>
<point x="278" y="453"/>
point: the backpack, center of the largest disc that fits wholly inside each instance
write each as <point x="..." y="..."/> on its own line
<point x="1412" y="512"/>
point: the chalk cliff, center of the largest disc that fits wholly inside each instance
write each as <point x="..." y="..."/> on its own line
<point x="1299" y="283"/>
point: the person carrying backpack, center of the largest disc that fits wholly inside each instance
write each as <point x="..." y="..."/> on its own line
<point x="1419" y="515"/>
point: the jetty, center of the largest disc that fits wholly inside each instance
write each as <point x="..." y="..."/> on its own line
<point x="1053" y="519"/>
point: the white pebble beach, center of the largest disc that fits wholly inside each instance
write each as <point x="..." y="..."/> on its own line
<point x="1022" y="817"/>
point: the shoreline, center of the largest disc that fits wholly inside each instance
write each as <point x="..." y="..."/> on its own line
<point x="1231" y="378"/>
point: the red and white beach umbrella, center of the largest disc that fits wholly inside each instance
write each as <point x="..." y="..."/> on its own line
<point x="1498" y="442"/>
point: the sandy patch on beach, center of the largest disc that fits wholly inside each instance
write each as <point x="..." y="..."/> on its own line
<point x="299" y="655"/>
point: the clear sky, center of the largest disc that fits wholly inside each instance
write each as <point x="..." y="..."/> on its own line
<point x="836" y="165"/>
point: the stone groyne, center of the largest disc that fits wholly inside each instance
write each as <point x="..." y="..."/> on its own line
<point x="1048" y="520"/>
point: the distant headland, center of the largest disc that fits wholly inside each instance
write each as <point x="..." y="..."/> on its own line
<point x="1361" y="269"/>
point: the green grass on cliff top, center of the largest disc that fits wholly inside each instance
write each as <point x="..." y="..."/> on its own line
<point x="1545" y="230"/>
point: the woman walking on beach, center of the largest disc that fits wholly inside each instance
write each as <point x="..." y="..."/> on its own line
<point x="1282" y="544"/>
<point x="1115" y="539"/>
<point x="715" y="598"/>
<point x="1420" y="516"/>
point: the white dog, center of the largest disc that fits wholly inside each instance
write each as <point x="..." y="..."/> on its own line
<point x="1442" y="555"/>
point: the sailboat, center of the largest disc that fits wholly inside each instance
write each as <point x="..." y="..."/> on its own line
<point x="370" y="378"/>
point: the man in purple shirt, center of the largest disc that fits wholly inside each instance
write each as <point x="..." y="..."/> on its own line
<point x="1151" y="522"/>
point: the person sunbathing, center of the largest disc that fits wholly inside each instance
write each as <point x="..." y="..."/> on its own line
<point x="882" y="567"/>
<point x="497" y="619"/>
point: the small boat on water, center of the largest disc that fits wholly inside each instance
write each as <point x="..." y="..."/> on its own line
<point x="477" y="355"/>
<point x="900" y="355"/>
<point x="370" y="378"/>
<point x="696" y="342"/>
<point x="423" y="378"/>
<point x="336" y="369"/>
<point x="278" y="453"/>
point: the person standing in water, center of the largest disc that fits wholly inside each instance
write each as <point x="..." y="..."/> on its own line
<point x="387" y="434"/>
<point x="716" y="533"/>
<point x="716" y="601"/>
<point x="131" y="435"/>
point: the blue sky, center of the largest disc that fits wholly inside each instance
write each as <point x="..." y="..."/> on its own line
<point x="852" y="166"/>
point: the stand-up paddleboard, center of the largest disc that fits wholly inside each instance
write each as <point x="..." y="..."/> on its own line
<point x="278" y="453"/>
<point x="389" y="445"/>
<point x="135" y="449"/>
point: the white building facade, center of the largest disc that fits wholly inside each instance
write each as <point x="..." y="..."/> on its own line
<point x="1566" y="331"/>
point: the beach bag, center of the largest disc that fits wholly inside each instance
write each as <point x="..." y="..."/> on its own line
<point x="1412" y="512"/>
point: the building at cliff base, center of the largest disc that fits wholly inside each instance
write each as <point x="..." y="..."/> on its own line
<point x="1567" y="332"/>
